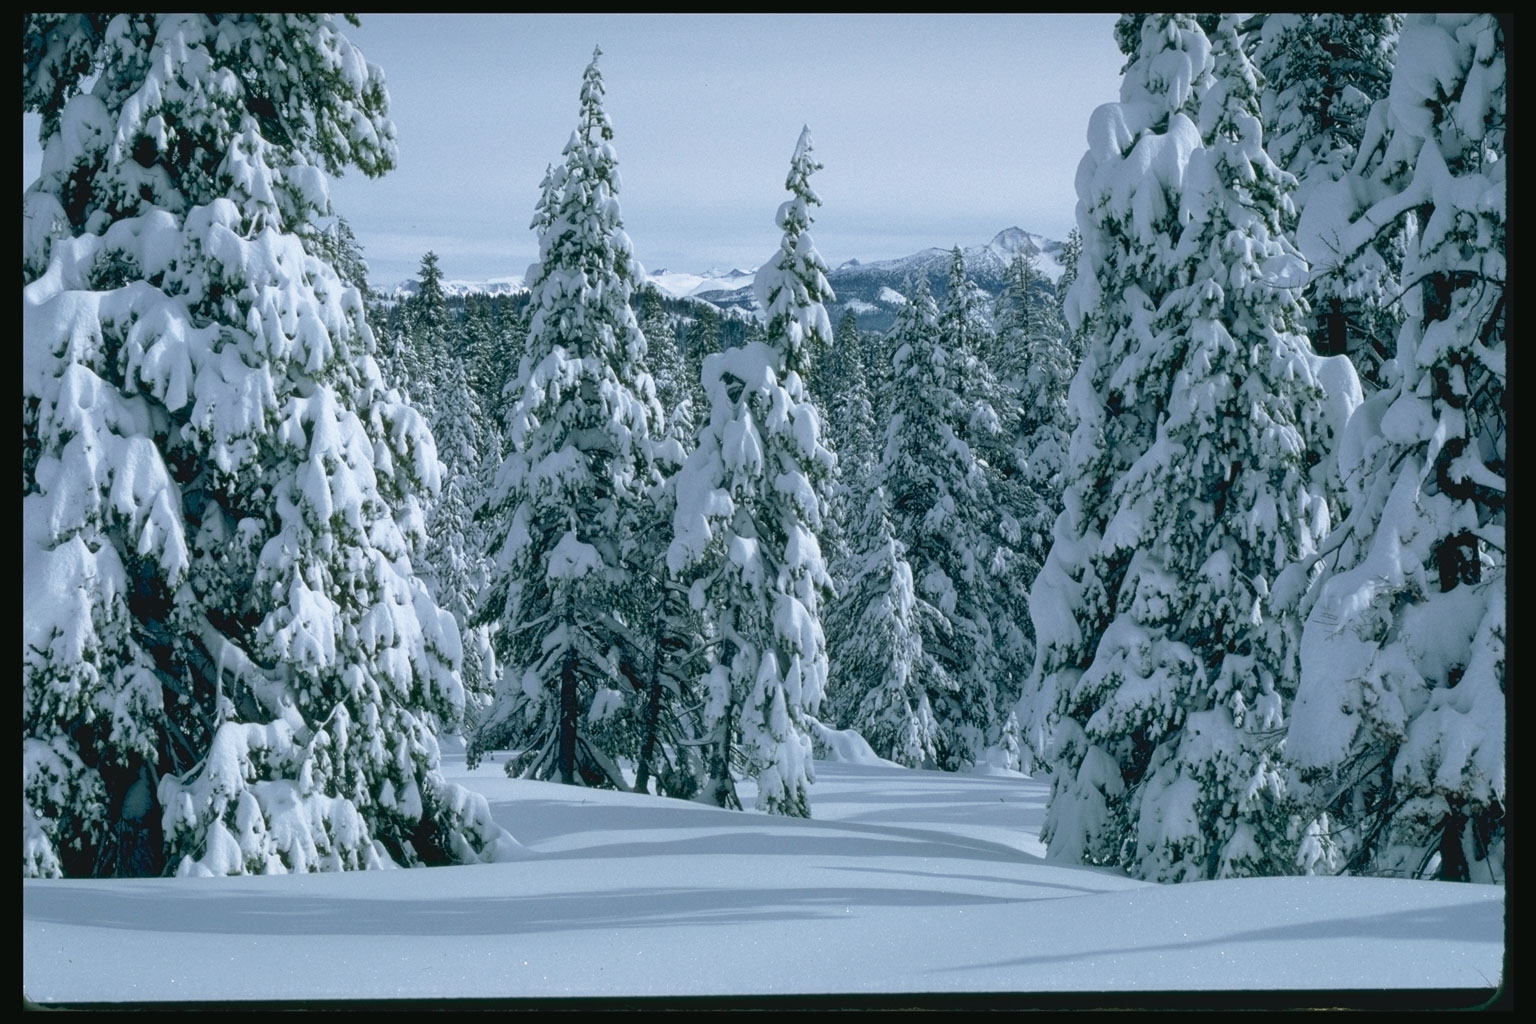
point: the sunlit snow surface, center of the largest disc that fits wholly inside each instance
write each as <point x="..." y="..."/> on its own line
<point x="904" y="882"/>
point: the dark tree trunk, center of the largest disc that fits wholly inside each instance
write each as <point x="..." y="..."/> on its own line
<point x="722" y="790"/>
<point x="648" y="745"/>
<point x="565" y="755"/>
<point x="1453" y="859"/>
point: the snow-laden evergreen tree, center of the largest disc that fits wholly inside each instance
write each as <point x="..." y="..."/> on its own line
<point x="987" y="416"/>
<point x="1071" y="259"/>
<point x="424" y="326"/>
<point x="500" y="372"/>
<point x="1323" y="72"/>
<point x="566" y="504"/>
<point x="1399" y="725"/>
<point x="455" y="567"/>
<point x="490" y="358"/>
<point x="1036" y="361"/>
<point x="750" y="506"/>
<point x="879" y="666"/>
<point x="848" y="391"/>
<point x="701" y="338"/>
<point x="1165" y="670"/>
<point x="842" y="384"/>
<point x="838" y="382"/>
<point x="1015" y="312"/>
<point x="388" y="346"/>
<point x="338" y="246"/>
<point x="667" y="722"/>
<point x="853" y="536"/>
<point x="228" y="663"/>
<point x="675" y="387"/>
<point x="937" y="493"/>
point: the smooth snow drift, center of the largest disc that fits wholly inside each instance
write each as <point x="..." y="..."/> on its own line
<point x="903" y="882"/>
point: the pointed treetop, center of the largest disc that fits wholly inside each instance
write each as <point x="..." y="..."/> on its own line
<point x="591" y="74"/>
<point x="801" y="166"/>
<point x="592" y="113"/>
<point x="792" y="290"/>
<point x="804" y="145"/>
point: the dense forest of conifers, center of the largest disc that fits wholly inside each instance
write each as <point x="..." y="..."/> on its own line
<point x="1210" y="530"/>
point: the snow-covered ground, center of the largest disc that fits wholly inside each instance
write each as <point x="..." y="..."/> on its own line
<point x="914" y="883"/>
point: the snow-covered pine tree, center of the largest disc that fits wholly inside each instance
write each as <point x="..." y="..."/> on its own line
<point x="750" y="505"/>
<point x="1322" y="73"/>
<point x="842" y="384"/>
<point x="455" y="567"/>
<point x="675" y="387"/>
<point x="424" y="326"/>
<point x="961" y="321"/>
<point x="499" y="374"/>
<point x="701" y="339"/>
<point x="490" y="358"/>
<point x="564" y="510"/>
<point x="1015" y="312"/>
<point x="848" y="390"/>
<point x="388" y="347"/>
<point x="338" y="246"/>
<point x="987" y="416"/>
<point x="1071" y="257"/>
<point x="936" y="490"/>
<point x="666" y="720"/>
<point x="1036" y="360"/>
<point x="1399" y="724"/>
<point x="853" y="535"/>
<point x="880" y="670"/>
<point x="228" y="663"/>
<point x="1164" y="671"/>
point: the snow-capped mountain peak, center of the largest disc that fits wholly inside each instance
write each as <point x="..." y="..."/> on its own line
<point x="1012" y="242"/>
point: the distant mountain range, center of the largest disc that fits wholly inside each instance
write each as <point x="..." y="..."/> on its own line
<point x="459" y="289"/>
<point x="874" y="291"/>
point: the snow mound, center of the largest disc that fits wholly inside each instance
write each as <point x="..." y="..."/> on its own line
<point x="846" y="745"/>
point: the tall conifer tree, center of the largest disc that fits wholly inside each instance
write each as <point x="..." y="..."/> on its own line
<point x="566" y="503"/>
<point x="1165" y="670"/>
<point x="750" y="506"/>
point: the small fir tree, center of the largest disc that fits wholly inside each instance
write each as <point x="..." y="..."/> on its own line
<point x="934" y="485"/>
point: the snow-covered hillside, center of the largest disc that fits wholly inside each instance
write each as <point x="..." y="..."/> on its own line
<point x="681" y="285"/>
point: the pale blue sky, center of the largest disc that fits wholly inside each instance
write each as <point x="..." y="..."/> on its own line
<point x="934" y="130"/>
